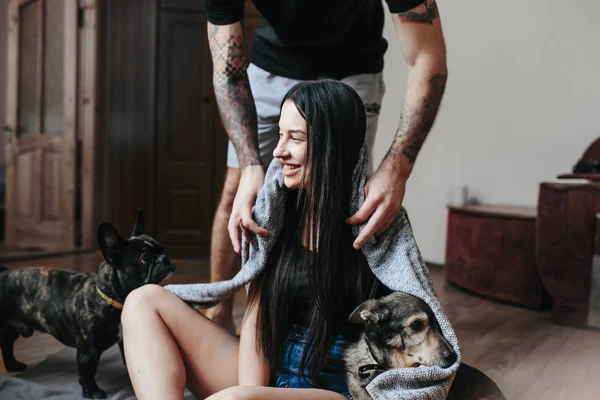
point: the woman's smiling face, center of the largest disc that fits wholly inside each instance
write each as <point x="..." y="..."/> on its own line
<point x="291" y="148"/>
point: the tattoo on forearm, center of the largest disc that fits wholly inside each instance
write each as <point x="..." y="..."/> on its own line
<point x="417" y="119"/>
<point x="234" y="98"/>
<point x="426" y="16"/>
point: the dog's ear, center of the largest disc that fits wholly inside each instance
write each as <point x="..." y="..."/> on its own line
<point x="369" y="312"/>
<point x="111" y="243"/>
<point x="138" y="227"/>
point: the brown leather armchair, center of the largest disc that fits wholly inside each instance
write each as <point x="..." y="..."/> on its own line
<point x="567" y="239"/>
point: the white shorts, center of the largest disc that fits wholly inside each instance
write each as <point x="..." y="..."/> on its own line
<point x="268" y="91"/>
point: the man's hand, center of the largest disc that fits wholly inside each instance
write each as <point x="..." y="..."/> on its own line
<point x="422" y="41"/>
<point x="251" y="182"/>
<point x="384" y="193"/>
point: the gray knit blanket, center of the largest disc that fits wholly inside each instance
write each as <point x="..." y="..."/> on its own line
<point x="394" y="258"/>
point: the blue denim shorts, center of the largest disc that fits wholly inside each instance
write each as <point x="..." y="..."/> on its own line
<point x="333" y="375"/>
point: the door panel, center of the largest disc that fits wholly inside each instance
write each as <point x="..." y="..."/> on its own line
<point x="41" y="112"/>
<point x="54" y="78"/>
<point x="30" y="46"/>
<point x="185" y="154"/>
<point x="191" y="141"/>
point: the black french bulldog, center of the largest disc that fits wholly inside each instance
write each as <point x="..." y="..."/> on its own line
<point x="81" y="310"/>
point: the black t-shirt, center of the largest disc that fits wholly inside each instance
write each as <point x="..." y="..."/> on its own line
<point x="304" y="300"/>
<point x="310" y="39"/>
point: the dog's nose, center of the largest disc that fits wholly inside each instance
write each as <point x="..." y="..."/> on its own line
<point x="163" y="259"/>
<point x="449" y="356"/>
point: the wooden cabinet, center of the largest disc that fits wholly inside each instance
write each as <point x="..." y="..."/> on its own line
<point x="490" y="251"/>
<point x="163" y="147"/>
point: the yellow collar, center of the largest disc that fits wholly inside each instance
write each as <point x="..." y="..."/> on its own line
<point x="110" y="301"/>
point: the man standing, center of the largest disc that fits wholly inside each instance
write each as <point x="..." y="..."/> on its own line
<point x="305" y="40"/>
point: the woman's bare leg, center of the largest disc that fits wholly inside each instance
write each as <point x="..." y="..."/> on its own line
<point x="169" y="345"/>
<point x="271" y="393"/>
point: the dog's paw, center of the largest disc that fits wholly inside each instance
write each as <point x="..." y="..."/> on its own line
<point x="15" y="366"/>
<point x="96" y="393"/>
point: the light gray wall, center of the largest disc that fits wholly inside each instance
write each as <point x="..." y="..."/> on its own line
<point x="521" y="105"/>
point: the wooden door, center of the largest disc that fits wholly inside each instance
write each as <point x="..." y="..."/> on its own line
<point x="185" y="142"/>
<point x="191" y="143"/>
<point x="40" y="133"/>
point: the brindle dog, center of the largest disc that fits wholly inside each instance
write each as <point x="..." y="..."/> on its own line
<point x="401" y="331"/>
<point x="81" y="310"/>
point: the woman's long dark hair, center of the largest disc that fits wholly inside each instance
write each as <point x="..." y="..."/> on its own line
<point x="336" y="124"/>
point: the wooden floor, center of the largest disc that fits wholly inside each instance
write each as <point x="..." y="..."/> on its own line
<point x="528" y="356"/>
<point x="13" y="254"/>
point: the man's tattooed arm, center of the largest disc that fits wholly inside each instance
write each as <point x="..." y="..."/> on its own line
<point x="232" y="90"/>
<point x="427" y="16"/>
<point x="416" y="120"/>
<point x="422" y="41"/>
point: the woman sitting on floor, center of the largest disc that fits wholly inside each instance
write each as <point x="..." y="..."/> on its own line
<point x="298" y="306"/>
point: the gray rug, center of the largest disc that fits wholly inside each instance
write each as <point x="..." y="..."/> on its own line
<point x="55" y="378"/>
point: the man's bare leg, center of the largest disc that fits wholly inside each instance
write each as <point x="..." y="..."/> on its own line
<point x="224" y="262"/>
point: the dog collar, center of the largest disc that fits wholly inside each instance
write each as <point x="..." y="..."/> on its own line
<point x="362" y="369"/>
<point x="110" y="301"/>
